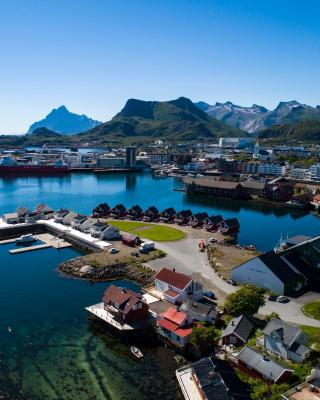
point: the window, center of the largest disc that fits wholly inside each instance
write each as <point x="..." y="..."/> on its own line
<point x="233" y="339"/>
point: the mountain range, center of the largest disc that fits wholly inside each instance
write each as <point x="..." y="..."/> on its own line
<point x="172" y="120"/>
<point x="256" y="118"/>
<point x="61" y="120"/>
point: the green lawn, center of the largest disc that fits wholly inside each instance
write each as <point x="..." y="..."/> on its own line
<point x="312" y="310"/>
<point x="313" y="335"/>
<point x="158" y="233"/>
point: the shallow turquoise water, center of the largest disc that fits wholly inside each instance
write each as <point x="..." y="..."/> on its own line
<point x="52" y="352"/>
<point x="260" y="224"/>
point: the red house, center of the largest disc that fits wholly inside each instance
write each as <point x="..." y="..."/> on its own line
<point x="127" y="305"/>
<point x="151" y="214"/>
<point x="183" y="217"/>
<point x="197" y="220"/>
<point x="229" y="226"/>
<point x="130" y="240"/>
<point x="119" y="211"/>
<point x="175" y="326"/>
<point x="212" y="223"/>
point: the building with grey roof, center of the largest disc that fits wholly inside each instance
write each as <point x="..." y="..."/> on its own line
<point x="200" y="311"/>
<point x="238" y="331"/>
<point x="285" y="340"/>
<point x="255" y="363"/>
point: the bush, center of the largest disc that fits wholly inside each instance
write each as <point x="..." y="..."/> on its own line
<point x="246" y="300"/>
<point x="205" y="338"/>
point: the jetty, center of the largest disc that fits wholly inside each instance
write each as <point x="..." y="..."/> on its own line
<point x="30" y="248"/>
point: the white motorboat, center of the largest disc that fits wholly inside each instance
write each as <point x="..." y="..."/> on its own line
<point x="29" y="238"/>
<point x="136" y="352"/>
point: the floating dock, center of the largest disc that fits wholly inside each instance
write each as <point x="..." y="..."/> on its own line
<point x="30" y="248"/>
<point x="8" y="241"/>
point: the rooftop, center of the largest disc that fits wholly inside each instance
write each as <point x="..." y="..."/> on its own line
<point x="173" y="278"/>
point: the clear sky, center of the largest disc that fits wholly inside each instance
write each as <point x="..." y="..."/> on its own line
<point x="93" y="55"/>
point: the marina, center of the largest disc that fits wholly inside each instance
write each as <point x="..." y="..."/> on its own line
<point x="29" y="248"/>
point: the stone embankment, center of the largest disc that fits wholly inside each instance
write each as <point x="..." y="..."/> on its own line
<point x="135" y="271"/>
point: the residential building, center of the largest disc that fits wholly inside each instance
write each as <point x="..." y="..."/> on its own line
<point x="202" y="312"/>
<point x="59" y="215"/>
<point x="238" y="331"/>
<point x="103" y="231"/>
<point x="77" y="221"/>
<point x="175" y="327"/>
<point x="250" y="168"/>
<point x="195" y="166"/>
<point x="260" y="366"/>
<point x="127" y="305"/>
<point x="69" y="217"/>
<point x="119" y="211"/>
<point x="286" y="341"/>
<point x="300" y="173"/>
<point x="86" y="225"/>
<point x="201" y="381"/>
<point x="272" y="168"/>
<point x="177" y="287"/>
<point x="135" y="212"/>
<point x="229" y="166"/>
<point x="197" y="220"/>
<point x="270" y="271"/>
<point x="102" y="210"/>
<point x="159" y="158"/>
<point x="12" y="218"/>
<point x="151" y="214"/>
<point x="315" y="172"/>
<point x="167" y="215"/>
<point x="229" y="226"/>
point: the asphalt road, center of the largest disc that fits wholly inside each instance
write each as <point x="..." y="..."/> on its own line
<point x="184" y="256"/>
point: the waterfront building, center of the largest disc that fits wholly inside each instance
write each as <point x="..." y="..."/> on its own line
<point x="159" y="158"/>
<point x="130" y="157"/>
<point x="183" y="217"/>
<point x="59" y="215"/>
<point x="175" y="327"/>
<point x="119" y="211"/>
<point x="104" y="231"/>
<point x="102" y="210"/>
<point x="238" y="331"/>
<point x="253" y="362"/>
<point x="214" y="187"/>
<point x="201" y="381"/>
<point x="111" y="162"/>
<point x="270" y="271"/>
<point x="69" y="217"/>
<point x="197" y="220"/>
<point x="300" y="173"/>
<point x="86" y="225"/>
<point x="167" y="215"/>
<point x="229" y="166"/>
<point x="285" y="340"/>
<point x="78" y="221"/>
<point x="151" y="214"/>
<point x="250" y="168"/>
<point x="279" y="190"/>
<point x="195" y="166"/>
<point x="176" y="287"/>
<point x="135" y="212"/>
<point x="12" y="218"/>
<point x="212" y="223"/>
<point x="229" y="226"/>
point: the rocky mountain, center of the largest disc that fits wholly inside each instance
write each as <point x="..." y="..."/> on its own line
<point x="44" y="132"/>
<point x="174" y="120"/>
<point x="256" y="118"/>
<point x="61" y="120"/>
<point x="303" y="131"/>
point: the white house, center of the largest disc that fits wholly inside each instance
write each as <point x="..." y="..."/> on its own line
<point x="315" y="172"/>
<point x="78" y="221"/>
<point x="102" y="231"/>
<point x="12" y="218"/>
<point x="176" y="287"/>
<point x="269" y="271"/>
<point x="286" y="341"/>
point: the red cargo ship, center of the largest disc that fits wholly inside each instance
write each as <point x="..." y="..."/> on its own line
<point x="9" y="166"/>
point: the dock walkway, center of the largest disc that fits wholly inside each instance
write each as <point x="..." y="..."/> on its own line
<point x="30" y="248"/>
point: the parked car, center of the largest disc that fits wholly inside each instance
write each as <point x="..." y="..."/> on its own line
<point x="209" y="294"/>
<point x="272" y="297"/>
<point x="232" y="282"/>
<point x="282" y="299"/>
<point x="144" y="251"/>
<point x="113" y="250"/>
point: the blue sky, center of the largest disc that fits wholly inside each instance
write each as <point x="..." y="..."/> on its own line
<point x="93" y="55"/>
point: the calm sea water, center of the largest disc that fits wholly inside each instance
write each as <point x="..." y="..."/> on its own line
<point x="52" y="352"/>
<point x="261" y="224"/>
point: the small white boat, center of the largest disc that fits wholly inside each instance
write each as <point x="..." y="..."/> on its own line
<point x="29" y="238"/>
<point x="9" y="329"/>
<point x="136" y="352"/>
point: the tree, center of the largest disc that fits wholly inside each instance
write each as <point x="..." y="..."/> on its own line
<point x="204" y="338"/>
<point x="269" y="317"/>
<point x="246" y="300"/>
<point x="263" y="391"/>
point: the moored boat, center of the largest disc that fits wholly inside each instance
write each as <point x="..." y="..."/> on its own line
<point x="29" y="238"/>
<point x="136" y="352"/>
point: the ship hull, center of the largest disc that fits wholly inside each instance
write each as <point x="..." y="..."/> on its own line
<point x="33" y="170"/>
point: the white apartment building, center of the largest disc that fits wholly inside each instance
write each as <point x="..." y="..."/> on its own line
<point x="315" y="172"/>
<point x="300" y="173"/>
<point x="195" y="166"/>
<point x="268" y="168"/>
<point x="159" y="159"/>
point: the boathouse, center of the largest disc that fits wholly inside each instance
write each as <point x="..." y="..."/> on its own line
<point x="151" y="214"/>
<point x="214" y="187"/>
<point x="135" y="212"/>
<point x="197" y="220"/>
<point x="229" y="226"/>
<point x="119" y="211"/>
<point x="59" y="215"/>
<point x="183" y="217"/>
<point x="212" y="223"/>
<point x="167" y="215"/>
<point x="102" y="210"/>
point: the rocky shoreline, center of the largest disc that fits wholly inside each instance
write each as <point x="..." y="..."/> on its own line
<point x="78" y="268"/>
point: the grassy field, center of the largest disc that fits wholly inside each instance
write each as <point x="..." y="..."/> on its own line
<point x="158" y="233"/>
<point x="312" y="310"/>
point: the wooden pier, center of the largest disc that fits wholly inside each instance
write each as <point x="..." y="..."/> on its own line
<point x="30" y="248"/>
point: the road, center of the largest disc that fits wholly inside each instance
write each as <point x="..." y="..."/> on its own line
<point x="184" y="256"/>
